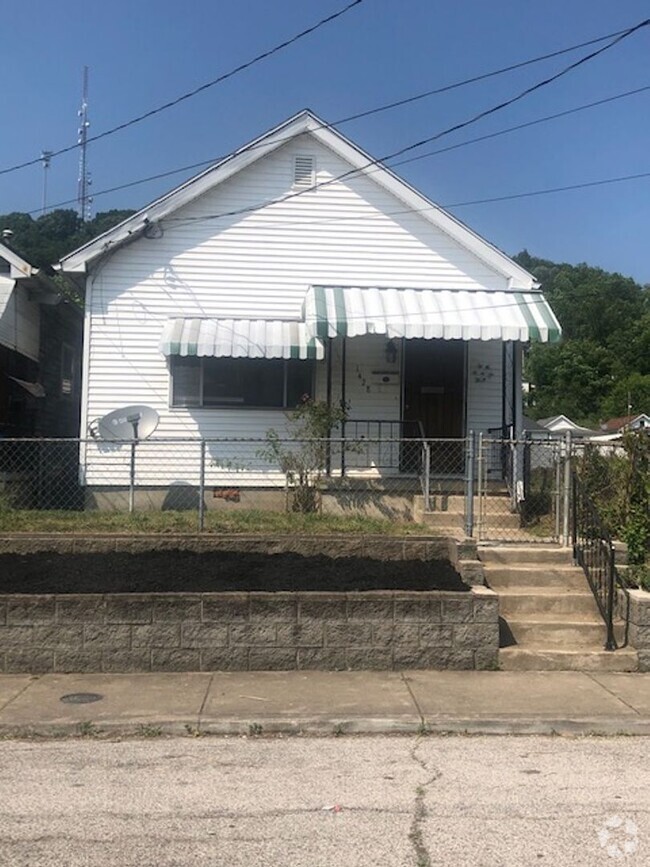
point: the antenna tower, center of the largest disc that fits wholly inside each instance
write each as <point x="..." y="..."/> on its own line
<point x="84" y="200"/>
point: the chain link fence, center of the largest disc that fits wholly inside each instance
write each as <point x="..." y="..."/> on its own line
<point x="491" y="488"/>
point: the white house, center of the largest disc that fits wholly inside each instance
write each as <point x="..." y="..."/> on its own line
<point x="300" y="265"/>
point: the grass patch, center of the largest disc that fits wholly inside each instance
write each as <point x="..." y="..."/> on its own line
<point x="242" y="521"/>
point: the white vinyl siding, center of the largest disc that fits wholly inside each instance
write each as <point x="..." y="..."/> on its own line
<point x="19" y="320"/>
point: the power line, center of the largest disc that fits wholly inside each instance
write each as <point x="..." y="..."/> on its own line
<point x="366" y="113"/>
<point x="406" y="149"/>
<point x="548" y="190"/>
<point x="458" y="145"/>
<point x="243" y="66"/>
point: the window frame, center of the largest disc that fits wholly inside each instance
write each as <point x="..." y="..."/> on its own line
<point x="239" y="406"/>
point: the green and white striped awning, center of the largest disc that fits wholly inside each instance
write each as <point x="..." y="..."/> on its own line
<point x="239" y="338"/>
<point x="350" y="311"/>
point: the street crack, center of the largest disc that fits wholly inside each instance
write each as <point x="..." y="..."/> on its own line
<point x="416" y="834"/>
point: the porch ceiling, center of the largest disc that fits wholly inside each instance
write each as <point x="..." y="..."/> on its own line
<point x="351" y="311"/>
<point x="239" y="338"/>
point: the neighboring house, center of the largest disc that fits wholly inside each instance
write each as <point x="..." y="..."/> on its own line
<point x="40" y="353"/>
<point x="300" y="266"/>
<point x="617" y="426"/>
<point x="558" y="425"/>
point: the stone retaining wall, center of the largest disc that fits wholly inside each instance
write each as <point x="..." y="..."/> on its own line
<point x="634" y="606"/>
<point x="242" y="631"/>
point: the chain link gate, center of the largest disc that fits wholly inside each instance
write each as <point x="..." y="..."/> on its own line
<point x="522" y="490"/>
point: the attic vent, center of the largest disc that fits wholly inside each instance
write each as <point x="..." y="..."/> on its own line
<point x="304" y="171"/>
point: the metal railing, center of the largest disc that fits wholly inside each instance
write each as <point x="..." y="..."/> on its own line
<point x="593" y="550"/>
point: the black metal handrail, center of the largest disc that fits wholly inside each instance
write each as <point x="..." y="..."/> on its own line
<point x="593" y="550"/>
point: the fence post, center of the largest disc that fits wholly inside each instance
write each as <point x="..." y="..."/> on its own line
<point x="132" y="478"/>
<point x="202" y="488"/>
<point x="567" y="488"/>
<point x="469" y="486"/>
<point x="611" y="641"/>
<point x="426" y="453"/>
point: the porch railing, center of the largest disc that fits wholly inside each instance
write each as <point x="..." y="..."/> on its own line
<point x="593" y="550"/>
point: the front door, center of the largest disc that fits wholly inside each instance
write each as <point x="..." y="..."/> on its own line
<point x="434" y="394"/>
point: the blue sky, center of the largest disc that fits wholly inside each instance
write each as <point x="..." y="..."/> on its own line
<point x="144" y="53"/>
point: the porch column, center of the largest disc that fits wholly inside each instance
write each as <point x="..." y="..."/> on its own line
<point x="343" y="404"/>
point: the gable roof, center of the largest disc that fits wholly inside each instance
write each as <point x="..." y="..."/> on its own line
<point x="625" y="421"/>
<point x="303" y="123"/>
<point x="42" y="288"/>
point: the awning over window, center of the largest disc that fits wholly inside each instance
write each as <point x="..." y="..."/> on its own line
<point x="239" y="338"/>
<point x="348" y="311"/>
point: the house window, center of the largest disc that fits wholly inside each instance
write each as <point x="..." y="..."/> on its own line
<point x="67" y="369"/>
<point x="239" y="382"/>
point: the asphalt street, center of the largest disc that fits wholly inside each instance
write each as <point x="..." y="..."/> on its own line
<point x="346" y="801"/>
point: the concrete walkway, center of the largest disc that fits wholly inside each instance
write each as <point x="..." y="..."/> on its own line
<point x="318" y="702"/>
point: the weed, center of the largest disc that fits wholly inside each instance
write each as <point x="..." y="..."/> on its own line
<point x="148" y="731"/>
<point x="255" y="730"/>
<point x="88" y="729"/>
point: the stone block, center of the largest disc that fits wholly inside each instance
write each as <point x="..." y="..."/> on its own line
<point x="466" y="550"/>
<point x="15" y="637"/>
<point x="455" y="659"/>
<point x="639" y="607"/>
<point x="472" y="636"/>
<point x="388" y="634"/>
<point x="639" y="636"/>
<point x="370" y="606"/>
<point x="225" y="659"/>
<point x="436" y="635"/>
<point x="253" y="634"/>
<point x="225" y="607"/>
<point x="81" y="609"/>
<point x="156" y="635"/>
<point x="77" y="661"/>
<point x="472" y="572"/>
<point x="321" y="606"/>
<point x="273" y="659"/>
<point x="346" y="634"/>
<point x="486" y="605"/>
<point x="417" y="607"/>
<point x="458" y="608"/>
<point x="266" y="607"/>
<point x="3" y="613"/>
<point x="32" y="661"/>
<point x="126" y="660"/>
<point x="128" y="608"/>
<point x="24" y="610"/>
<point x="644" y="660"/>
<point x="109" y="637"/>
<point x="417" y="549"/>
<point x="369" y="658"/>
<point x="322" y="658"/>
<point x="301" y="634"/>
<point x="383" y="548"/>
<point x="486" y="658"/>
<point x="176" y="607"/>
<point x="56" y="636"/>
<point x="204" y="635"/>
<point x="175" y="660"/>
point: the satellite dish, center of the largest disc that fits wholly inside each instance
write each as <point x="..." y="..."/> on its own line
<point x="129" y="423"/>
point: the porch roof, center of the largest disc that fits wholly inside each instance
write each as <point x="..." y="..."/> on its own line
<point x="239" y="338"/>
<point x="352" y="311"/>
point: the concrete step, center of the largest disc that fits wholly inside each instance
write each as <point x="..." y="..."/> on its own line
<point x="555" y="634"/>
<point x="528" y="577"/>
<point x="544" y="659"/>
<point x="518" y="555"/>
<point x="541" y="603"/>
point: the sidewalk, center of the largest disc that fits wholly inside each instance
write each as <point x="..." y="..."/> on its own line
<point x="316" y="702"/>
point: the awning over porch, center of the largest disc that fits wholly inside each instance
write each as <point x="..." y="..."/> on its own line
<point x="239" y="338"/>
<point x="351" y="311"/>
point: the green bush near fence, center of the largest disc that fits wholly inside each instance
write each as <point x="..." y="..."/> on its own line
<point x="619" y="485"/>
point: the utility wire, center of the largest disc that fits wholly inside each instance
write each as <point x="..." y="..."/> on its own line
<point x="407" y="148"/>
<point x="366" y="113"/>
<point x="197" y="90"/>
<point x="548" y="190"/>
<point x="466" y="143"/>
